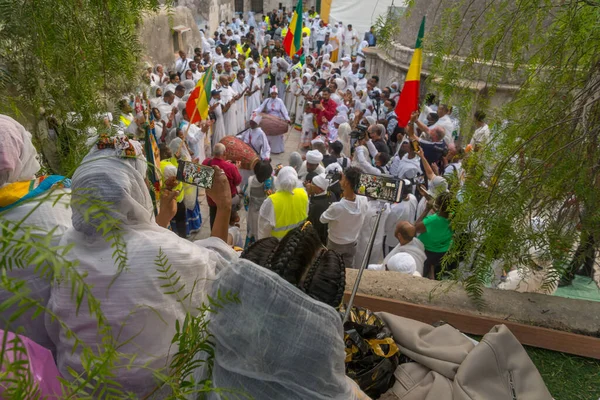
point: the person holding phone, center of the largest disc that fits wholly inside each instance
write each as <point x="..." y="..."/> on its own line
<point x="346" y="218"/>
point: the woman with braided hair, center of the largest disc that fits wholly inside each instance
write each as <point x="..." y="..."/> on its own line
<point x="301" y="260"/>
<point x="326" y="278"/>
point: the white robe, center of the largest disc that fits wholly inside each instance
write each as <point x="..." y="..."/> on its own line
<point x="229" y="116"/>
<point x="275" y="107"/>
<point x="195" y="140"/>
<point x="218" y="126"/>
<point x="403" y="211"/>
<point x="290" y="96"/>
<point x="241" y="105"/>
<point x="253" y="101"/>
<point x="257" y="139"/>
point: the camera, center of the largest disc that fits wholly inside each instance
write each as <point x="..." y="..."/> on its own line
<point x="334" y="176"/>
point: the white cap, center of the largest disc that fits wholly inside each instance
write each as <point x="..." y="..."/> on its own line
<point x="402" y="262"/>
<point x="346" y="59"/>
<point x="314" y="157"/>
<point x="339" y="119"/>
<point x="321" y="181"/>
<point x="317" y="140"/>
<point x="273" y="89"/>
<point x="333" y="167"/>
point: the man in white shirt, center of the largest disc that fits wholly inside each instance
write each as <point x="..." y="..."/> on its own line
<point x="320" y="33"/>
<point x="350" y="41"/>
<point x="408" y="244"/>
<point x="346" y="218"/>
<point x="445" y="122"/>
<point x="182" y="64"/>
<point x="406" y="210"/>
<point x="482" y="134"/>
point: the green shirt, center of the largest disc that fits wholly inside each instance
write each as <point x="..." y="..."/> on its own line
<point x="438" y="236"/>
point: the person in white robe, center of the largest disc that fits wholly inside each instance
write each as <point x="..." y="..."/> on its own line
<point x="159" y="78"/>
<point x="303" y="90"/>
<point x="256" y="138"/>
<point x="405" y="210"/>
<point x="228" y="99"/>
<point x="254" y="84"/>
<point x="44" y="218"/>
<point x="275" y="106"/>
<point x="346" y="67"/>
<point x="194" y="136"/>
<point x="350" y="41"/>
<point x="311" y="164"/>
<point x="291" y="93"/>
<point x="241" y="88"/>
<point x="360" y="56"/>
<point x="216" y="107"/>
<point x="134" y="304"/>
<point x="279" y="68"/>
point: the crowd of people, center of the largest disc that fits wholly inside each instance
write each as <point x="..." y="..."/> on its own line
<point x="305" y="221"/>
<point x="346" y="123"/>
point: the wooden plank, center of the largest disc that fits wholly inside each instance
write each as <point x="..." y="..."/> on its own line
<point x="550" y="339"/>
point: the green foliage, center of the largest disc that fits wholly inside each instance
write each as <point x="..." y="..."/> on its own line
<point x="387" y="26"/>
<point x="67" y="60"/>
<point x="536" y="186"/>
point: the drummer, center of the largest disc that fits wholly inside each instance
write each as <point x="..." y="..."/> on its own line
<point x="256" y="138"/>
<point x="275" y="106"/>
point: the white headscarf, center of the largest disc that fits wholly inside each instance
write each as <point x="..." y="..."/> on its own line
<point x="287" y="179"/>
<point x="18" y="157"/>
<point x="133" y="300"/>
<point x="344" y="136"/>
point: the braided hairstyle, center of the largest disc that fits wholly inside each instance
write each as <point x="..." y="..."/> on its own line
<point x="262" y="251"/>
<point x="295" y="253"/>
<point x="326" y="278"/>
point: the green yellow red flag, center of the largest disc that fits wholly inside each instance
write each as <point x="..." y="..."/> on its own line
<point x="292" y="43"/>
<point x="409" y="97"/>
<point x="198" y="103"/>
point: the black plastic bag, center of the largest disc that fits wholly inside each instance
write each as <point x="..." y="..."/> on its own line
<point x="371" y="353"/>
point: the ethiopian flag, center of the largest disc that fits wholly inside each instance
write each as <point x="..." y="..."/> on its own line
<point x="293" y="39"/>
<point x="197" y="105"/>
<point x="409" y="97"/>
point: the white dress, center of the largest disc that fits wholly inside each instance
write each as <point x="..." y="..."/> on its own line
<point x="241" y="105"/>
<point x="290" y="96"/>
<point x="229" y="116"/>
<point x="253" y="101"/>
<point x="276" y="108"/>
<point x="218" y="126"/>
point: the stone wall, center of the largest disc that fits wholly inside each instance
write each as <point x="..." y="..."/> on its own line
<point x="553" y="312"/>
<point x="392" y="66"/>
<point x="209" y="13"/>
<point x="157" y="36"/>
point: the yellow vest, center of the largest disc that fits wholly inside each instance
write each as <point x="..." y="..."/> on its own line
<point x="125" y="121"/>
<point x="172" y="161"/>
<point x="290" y="211"/>
<point x="284" y="32"/>
<point x="268" y="22"/>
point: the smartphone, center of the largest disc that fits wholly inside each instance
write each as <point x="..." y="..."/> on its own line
<point x="415" y="145"/>
<point x="195" y="174"/>
<point x="380" y="187"/>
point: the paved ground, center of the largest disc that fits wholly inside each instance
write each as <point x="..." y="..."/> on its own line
<point x="292" y="142"/>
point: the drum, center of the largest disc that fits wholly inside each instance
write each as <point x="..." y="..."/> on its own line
<point x="273" y="126"/>
<point x="237" y="150"/>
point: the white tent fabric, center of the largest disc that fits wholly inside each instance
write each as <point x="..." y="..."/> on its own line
<point x="141" y="315"/>
<point x="360" y="14"/>
<point x="277" y="343"/>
